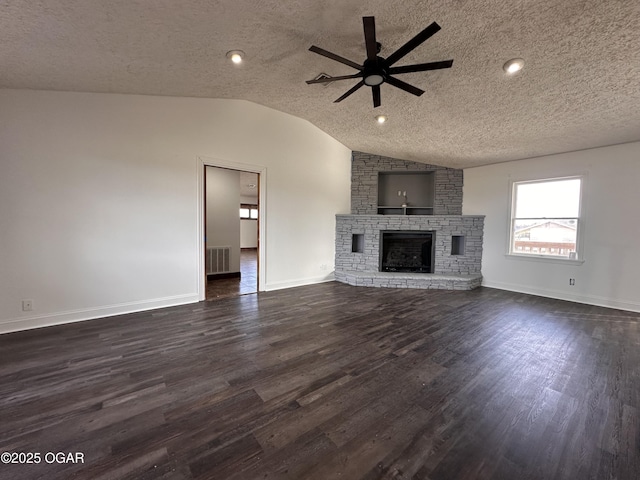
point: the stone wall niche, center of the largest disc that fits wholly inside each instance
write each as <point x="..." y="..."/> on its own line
<point x="366" y="168"/>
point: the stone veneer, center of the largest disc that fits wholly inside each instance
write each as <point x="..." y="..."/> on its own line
<point x="410" y="280"/>
<point x="364" y="183"/>
<point x="444" y="226"/>
<point x="455" y="272"/>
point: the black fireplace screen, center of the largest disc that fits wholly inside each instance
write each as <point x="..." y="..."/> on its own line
<point x="407" y="252"/>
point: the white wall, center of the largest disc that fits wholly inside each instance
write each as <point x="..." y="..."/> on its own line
<point x="248" y="234"/>
<point x="99" y="199"/>
<point x="248" y="199"/>
<point x="248" y="228"/>
<point x="611" y="199"/>
<point x="223" y="218"/>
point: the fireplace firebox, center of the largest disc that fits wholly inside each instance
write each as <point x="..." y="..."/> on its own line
<point x="407" y="251"/>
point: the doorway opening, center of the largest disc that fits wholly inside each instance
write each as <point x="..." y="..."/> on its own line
<point x="232" y="206"/>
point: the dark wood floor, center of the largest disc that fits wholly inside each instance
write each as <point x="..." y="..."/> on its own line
<point x="218" y="288"/>
<point x="331" y="382"/>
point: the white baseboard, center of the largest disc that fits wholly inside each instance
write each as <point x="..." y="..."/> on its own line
<point x="587" y="299"/>
<point x="330" y="277"/>
<point x="71" y="316"/>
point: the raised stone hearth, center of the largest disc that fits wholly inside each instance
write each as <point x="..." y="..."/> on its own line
<point x="410" y="280"/>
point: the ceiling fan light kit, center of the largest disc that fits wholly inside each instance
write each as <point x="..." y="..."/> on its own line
<point x="377" y="70"/>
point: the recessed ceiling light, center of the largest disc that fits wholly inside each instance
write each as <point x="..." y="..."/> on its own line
<point x="235" y="56"/>
<point x="381" y="119"/>
<point x="514" y="65"/>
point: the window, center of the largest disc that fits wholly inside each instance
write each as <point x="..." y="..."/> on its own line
<point x="248" y="211"/>
<point x="545" y="218"/>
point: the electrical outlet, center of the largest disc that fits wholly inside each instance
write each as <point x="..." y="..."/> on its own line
<point x="572" y="281"/>
<point x="27" y="305"/>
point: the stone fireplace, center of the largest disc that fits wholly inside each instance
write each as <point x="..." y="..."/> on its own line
<point x="382" y="244"/>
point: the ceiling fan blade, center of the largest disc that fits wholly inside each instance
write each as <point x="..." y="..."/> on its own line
<point x="421" y="67"/>
<point x="353" y="89"/>
<point x="333" y="56"/>
<point x="376" y="95"/>
<point x="333" y="79"/>
<point x="369" y="25"/>
<point x="404" y="86"/>
<point x="413" y="43"/>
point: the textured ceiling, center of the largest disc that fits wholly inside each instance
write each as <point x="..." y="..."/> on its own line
<point x="249" y="184"/>
<point x="580" y="86"/>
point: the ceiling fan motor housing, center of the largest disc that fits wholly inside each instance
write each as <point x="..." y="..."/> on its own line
<point x="374" y="72"/>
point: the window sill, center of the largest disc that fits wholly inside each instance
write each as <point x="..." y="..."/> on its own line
<point x="545" y="259"/>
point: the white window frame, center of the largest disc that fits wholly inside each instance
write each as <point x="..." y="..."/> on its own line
<point x="580" y="221"/>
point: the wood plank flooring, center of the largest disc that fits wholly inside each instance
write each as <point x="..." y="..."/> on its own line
<point x="218" y="288"/>
<point x="331" y="382"/>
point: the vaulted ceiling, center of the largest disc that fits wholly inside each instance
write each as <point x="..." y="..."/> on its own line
<point x="580" y="86"/>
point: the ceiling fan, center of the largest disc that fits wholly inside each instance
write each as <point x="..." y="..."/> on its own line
<point x="377" y="70"/>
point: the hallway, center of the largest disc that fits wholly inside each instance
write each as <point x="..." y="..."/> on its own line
<point x="232" y="287"/>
